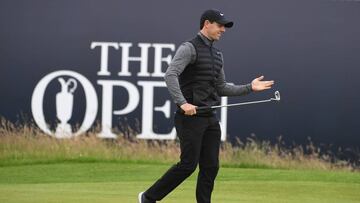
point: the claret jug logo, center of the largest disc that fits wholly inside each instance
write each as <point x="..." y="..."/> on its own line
<point x="64" y="103"/>
<point x="69" y="82"/>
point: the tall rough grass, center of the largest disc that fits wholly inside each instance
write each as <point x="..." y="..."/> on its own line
<point x="26" y="144"/>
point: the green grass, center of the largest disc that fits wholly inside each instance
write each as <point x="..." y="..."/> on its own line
<point x="36" y="168"/>
<point x="25" y="144"/>
<point x="119" y="182"/>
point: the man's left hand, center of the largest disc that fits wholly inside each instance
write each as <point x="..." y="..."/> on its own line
<point x="258" y="85"/>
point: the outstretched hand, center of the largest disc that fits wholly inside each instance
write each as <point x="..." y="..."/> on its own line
<point x="258" y="85"/>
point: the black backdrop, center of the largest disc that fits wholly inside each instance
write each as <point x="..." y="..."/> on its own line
<point x="310" y="48"/>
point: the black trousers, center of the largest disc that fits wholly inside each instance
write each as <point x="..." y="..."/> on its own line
<point x="199" y="144"/>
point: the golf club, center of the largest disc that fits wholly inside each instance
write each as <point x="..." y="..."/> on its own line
<point x="277" y="98"/>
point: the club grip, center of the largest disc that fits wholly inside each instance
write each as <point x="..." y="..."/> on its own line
<point x="203" y="107"/>
<point x="197" y="108"/>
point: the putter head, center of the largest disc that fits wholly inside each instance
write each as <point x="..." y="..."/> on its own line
<point x="277" y="96"/>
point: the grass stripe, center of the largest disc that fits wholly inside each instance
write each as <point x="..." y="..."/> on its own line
<point x="120" y="182"/>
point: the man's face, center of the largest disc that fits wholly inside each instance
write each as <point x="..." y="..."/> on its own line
<point x="214" y="30"/>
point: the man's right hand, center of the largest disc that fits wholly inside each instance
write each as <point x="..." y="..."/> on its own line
<point x="188" y="109"/>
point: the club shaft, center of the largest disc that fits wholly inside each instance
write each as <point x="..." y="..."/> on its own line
<point x="237" y="104"/>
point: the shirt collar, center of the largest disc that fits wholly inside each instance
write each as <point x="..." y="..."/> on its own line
<point x="205" y="39"/>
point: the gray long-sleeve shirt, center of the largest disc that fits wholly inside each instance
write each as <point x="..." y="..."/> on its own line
<point x="185" y="55"/>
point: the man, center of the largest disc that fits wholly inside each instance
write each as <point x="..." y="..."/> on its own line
<point x="195" y="77"/>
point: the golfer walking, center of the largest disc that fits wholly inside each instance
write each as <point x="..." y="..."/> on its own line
<point x="195" y="77"/>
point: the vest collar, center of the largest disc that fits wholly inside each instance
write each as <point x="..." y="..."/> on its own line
<point x="205" y="39"/>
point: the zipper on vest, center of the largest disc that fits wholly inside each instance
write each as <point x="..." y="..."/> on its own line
<point x="213" y="65"/>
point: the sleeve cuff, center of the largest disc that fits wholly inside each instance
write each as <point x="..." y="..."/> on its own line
<point x="249" y="88"/>
<point x="181" y="103"/>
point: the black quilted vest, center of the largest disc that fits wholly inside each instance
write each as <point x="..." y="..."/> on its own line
<point x="197" y="81"/>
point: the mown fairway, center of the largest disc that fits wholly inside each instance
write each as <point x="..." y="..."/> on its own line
<point x="109" y="182"/>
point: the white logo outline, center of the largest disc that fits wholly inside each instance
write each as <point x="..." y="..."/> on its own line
<point x="38" y="98"/>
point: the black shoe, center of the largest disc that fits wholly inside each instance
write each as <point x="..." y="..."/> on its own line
<point x="143" y="199"/>
<point x="140" y="197"/>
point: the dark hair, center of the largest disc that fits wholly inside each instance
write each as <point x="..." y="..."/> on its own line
<point x="202" y="22"/>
